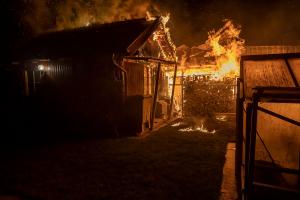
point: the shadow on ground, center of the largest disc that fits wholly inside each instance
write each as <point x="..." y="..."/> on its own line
<point x="167" y="164"/>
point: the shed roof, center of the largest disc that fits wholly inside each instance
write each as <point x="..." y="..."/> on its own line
<point x="114" y="37"/>
<point x="272" y="70"/>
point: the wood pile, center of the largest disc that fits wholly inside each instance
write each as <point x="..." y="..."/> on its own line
<point x="204" y="96"/>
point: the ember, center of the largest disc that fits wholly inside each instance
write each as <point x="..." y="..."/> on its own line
<point x="201" y="129"/>
<point x="176" y="124"/>
<point x="221" y="118"/>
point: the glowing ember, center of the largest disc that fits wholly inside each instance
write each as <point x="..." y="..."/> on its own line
<point x="197" y="128"/>
<point x="176" y="124"/>
<point x="189" y="129"/>
<point x="221" y="118"/>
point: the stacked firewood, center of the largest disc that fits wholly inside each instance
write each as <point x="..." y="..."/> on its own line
<point x="204" y="96"/>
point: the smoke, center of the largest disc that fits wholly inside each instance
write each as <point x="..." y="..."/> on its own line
<point x="272" y="23"/>
<point x="264" y="22"/>
<point x="48" y="15"/>
<point x="37" y="16"/>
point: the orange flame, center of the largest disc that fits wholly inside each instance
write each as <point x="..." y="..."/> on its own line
<point x="163" y="38"/>
<point x="224" y="45"/>
<point x="226" y="48"/>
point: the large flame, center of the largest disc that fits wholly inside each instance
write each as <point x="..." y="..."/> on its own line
<point x="226" y="47"/>
<point x="223" y="51"/>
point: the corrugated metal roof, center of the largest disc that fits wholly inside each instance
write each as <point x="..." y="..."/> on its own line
<point x="272" y="70"/>
<point x="263" y="50"/>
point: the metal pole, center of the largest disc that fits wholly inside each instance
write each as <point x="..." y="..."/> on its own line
<point x="155" y="97"/>
<point x="239" y="139"/>
<point x="249" y="108"/>
<point x="173" y="90"/>
<point x="252" y="147"/>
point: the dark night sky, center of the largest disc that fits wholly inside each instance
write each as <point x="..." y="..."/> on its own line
<point x="264" y="22"/>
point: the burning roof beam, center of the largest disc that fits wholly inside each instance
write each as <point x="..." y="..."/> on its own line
<point x="151" y="59"/>
<point x="142" y="38"/>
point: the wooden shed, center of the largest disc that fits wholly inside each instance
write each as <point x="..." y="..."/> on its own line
<point x="101" y="77"/>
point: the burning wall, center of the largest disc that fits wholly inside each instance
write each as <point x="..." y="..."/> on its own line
<point x="207" y="73"/>
<point x="218" y="56"/>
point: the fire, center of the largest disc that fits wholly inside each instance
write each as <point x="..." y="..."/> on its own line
<point x="197" y="128"/>
<point x="219" y="56"/>
<point x="226" y="47"/>
<point x="196" y="70"/>
<point x="201" y="129"/>
<point x="162" y="34"/>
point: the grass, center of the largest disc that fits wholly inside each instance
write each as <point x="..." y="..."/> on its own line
<point x="167" y="164"/>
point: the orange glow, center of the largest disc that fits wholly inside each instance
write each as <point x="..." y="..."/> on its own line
<point x="201" y="129"/>
<point x="163" y="38"/>
<point x="226" y="47"/>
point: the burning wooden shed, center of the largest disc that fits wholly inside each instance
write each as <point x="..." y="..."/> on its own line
<point x="268" y="126"/>
<point x="107" y="76"/>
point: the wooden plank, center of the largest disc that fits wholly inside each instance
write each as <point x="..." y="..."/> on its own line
<point x="173" y="90"/>
<point x="155" y="97"/>
<point x="274" y="187"/>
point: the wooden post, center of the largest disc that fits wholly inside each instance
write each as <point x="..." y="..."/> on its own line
<point x="182" y="100"/>
<point x="251" y="165"/>
<point x="155" y="97"/>
<point x="33" y="78"/>
<point x="26" y="87"/>
<point x="173" y="90"/>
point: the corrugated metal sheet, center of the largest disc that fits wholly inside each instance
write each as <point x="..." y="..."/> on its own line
<point x="59" y="70"/>
<point x="266" y="73"/>
<point x="277" y="70"/>
<point x="261" y="50"/>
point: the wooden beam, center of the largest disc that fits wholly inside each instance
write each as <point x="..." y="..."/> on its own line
<point x="270" y="56"/>
<point x="278" y="116"/>
<point x="278" y="188"/>
<point x="155" y="96"/>
<point x="151" y="59"/>
<point x="142" y="38"/>
<point x="291" y="73"/>
<point x="26" y="86"/>
<point x="182" y="100"/>
<point x="278" y="169"/>
<point x="173" y="90"/>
